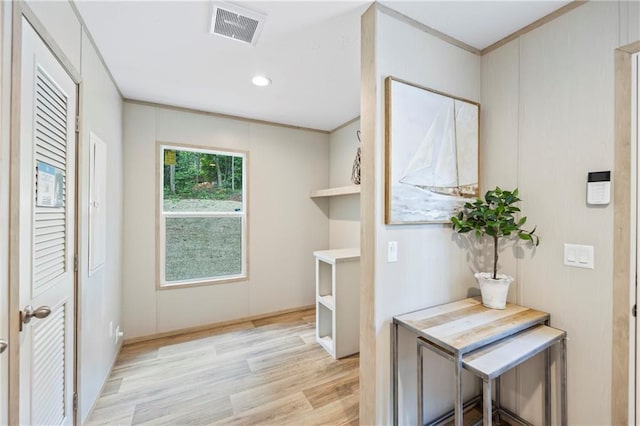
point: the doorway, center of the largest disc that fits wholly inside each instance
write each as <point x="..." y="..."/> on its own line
<point x="625" y="224"/>
<point x="635" y="138"/>
<point x="5" y="65"/>
<point x="43" y="277"/>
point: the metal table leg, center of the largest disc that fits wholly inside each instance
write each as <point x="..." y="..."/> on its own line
<point x="563" y="382"/>
<point x="498" y="400"/>
<point x="394" y="371"/>
<point x="486" y="403"/>
<point x="420" y="367"/>
<point x="457" y="398"/>
<point x="547" y="387"/>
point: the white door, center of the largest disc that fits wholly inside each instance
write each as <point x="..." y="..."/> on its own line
<point x="635" y="120"/>
<point x="4" y="219"/>
<point x="48" y="98"/>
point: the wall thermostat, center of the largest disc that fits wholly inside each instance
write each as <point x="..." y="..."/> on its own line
<point x="599" y="188"/>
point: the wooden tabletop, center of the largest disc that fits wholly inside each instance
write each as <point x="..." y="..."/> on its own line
<point x="465" y="325"/>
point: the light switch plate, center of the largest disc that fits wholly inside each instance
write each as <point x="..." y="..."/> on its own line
<point x="392" y="251"/>
<point x="579" y="256"/>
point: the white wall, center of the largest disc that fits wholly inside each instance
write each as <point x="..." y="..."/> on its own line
<point x="547" y="119"/>
<point x="285" y="225"/>
<point x="629" y="17"/>
<point x="62" y="25"/>
<point x="431" y="268"/>
<point x="101" y="111"/>
<point x="344" y="211"/>
<point x="101" y="293"/>
<point x="548" y="114"/>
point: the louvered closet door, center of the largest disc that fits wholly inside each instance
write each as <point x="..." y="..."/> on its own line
<point x="46" y="234"/>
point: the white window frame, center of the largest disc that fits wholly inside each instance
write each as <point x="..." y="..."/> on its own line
<point x="162" y="216"/>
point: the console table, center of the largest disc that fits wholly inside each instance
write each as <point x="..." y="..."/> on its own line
<point x="458" y="328"/>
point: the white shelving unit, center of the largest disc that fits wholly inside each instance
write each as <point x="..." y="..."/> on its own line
<point x="334" y="192"/>
<point x="338" y="301"/>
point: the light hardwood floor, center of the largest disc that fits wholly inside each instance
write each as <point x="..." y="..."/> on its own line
<point x="267" y="372"/>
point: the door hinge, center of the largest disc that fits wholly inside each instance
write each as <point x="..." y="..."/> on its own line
<point x="75" y="263"/>
<point x="634" y="310"/>
<point x="75" y="401"/>
<point x="77" y="124"/>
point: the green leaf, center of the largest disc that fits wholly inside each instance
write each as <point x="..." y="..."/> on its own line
<point x="494" y="216"/>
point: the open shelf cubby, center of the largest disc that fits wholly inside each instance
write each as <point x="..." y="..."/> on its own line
<point x="324" y="328"/>
<point x="338" y="301"/>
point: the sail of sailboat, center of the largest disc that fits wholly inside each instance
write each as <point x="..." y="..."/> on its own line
<point x="443" y="162"/>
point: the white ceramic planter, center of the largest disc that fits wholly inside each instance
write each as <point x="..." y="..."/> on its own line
<point x="494" y="292"/>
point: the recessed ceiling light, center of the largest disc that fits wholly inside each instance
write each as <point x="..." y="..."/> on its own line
<point x="261" y="80"/>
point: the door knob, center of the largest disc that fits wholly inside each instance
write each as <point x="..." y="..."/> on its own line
<point x="3" y="345"/>
<point x="28" y="312"/>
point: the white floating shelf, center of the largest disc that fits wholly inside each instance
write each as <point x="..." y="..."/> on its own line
<point x="327" y="301"/>
<point x="334" y="192"/>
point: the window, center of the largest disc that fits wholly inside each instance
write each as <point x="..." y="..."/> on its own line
<point x="203" y="224"/>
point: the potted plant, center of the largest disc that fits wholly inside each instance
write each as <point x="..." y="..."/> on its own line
<point x="494" y="217"/>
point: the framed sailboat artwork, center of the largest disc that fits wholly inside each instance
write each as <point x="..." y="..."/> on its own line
<point x="432" y="143"/>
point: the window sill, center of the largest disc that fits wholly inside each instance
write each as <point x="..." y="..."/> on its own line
<point x="208" y="282"/>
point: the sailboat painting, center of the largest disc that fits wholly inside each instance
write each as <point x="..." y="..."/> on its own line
<point x="431" y="153"/>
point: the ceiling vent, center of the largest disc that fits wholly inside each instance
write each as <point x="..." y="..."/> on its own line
<point x="237" y="23"/>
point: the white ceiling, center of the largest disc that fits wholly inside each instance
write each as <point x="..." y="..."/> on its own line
<point x="162" y="51"/>
<point x="477" y="23"/>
